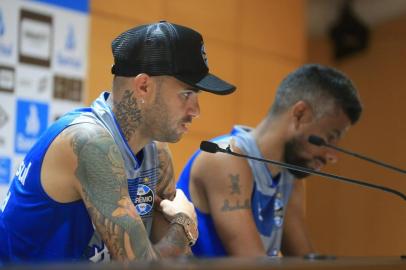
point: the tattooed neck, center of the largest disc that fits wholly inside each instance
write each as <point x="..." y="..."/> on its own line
<point x="127" y="113"/>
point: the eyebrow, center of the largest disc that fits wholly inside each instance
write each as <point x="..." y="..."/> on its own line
<point x="194" y="89"/>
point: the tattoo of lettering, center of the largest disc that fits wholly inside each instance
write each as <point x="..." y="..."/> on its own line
<point x="127" y="113"/>
<point x="166" y="183"/>
<point x="227" y="207"/>
<point x="235" y="184"/>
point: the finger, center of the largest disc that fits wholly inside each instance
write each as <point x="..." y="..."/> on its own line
<point x="180" y="194"/>
<point x="157" y="204"/>
<point x="157" y="200"/>
<point x="165" y="203"/>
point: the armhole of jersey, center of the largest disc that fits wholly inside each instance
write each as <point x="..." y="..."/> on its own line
<point x="39" y="182"/>
<point x="184" y="178"/>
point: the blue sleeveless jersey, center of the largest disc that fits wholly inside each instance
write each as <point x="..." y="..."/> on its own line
<point x="28" y="210"/>
<point x="34" y="227"/>
<point x="268" y="199"/>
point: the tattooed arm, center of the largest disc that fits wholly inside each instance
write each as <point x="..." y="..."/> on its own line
<point x="166" y="189"/>
<point x="223" y="185"/>
<point x="102" y="184"/>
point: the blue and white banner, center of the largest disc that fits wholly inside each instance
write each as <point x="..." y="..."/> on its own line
<point x="43" y="68"/>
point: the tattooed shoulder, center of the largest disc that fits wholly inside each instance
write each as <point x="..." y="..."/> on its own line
<point x="95" y="148"/>
<point x="80" y="134"/>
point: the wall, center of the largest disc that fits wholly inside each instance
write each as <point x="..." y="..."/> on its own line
<point x="245" y="44"/>
<point x="350" y="220"/>
<point x="254" y="44"/>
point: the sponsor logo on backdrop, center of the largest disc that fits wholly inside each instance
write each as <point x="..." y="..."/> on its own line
<point x="32" y="120"/>
<point x="5" y="168"/>
<point x="42" y="84"/>
<point x="70" y="41"/>
<point x="3" y="117"/>
<point x="7" y="77"/>
<point x="6" y="48"/>
<point x="33" y="83"/>
<point x="35" y="38"/>
<point x="67" y="57"/>
<point x="68" y="88"/>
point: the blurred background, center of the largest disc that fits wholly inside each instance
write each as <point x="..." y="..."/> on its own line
<point x="253" y="44"/>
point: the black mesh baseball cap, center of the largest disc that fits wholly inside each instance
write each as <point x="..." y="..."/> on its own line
<point x="164" y="48"/>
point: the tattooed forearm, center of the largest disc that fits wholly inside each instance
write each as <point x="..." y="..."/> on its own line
<point x="127" y="113"/>
<point x="102" y="177"/>
<point x="174" y="243"/>
<point x="166" y="183"/>
<point x="105" y="192"/>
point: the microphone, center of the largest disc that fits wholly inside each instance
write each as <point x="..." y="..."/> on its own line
<point x="313" y="139"/>
<point x="212" y="147"/>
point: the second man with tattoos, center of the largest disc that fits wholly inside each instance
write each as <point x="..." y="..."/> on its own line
<point x="98" y="184"/>
<point x="249" y="208"/>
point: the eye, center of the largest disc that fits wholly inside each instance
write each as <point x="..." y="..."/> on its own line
<point x="332" y="138"/>
<point x="186" y="94"/>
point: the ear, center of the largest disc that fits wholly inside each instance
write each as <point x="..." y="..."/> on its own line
<point x="141" y="85"/>
<point x="302" y="113"/>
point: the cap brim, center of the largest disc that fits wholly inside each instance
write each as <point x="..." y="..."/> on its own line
<point x="211" y="83"/>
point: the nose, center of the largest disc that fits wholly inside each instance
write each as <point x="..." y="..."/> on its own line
<point x="331" y="156"/>
<point x="194" y="109"/>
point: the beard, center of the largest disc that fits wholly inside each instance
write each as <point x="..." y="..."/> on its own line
<point x="291" y="156"/>
<point x="159" y="121"/>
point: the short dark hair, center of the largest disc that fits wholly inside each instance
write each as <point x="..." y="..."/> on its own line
<point x="324" y="88"/>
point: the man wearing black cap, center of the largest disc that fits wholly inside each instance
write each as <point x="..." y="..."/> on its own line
<point x="87" y="188"/>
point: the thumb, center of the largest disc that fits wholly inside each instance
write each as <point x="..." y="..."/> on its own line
<point x="157" y="203"/>
<point x="180" y="195"/>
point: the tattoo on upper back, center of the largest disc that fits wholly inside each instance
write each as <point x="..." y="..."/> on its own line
<point x="235" y="190"/>
<point x="127" y="113"/>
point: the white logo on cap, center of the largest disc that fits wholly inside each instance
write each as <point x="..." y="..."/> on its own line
<point x="204" y="55"/>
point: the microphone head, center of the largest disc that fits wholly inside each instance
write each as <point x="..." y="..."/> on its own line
<point x="316" y="140"/>
<point x="210" y="147"/>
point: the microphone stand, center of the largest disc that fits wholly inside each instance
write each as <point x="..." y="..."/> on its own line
<point x="306" y="170"/>
<point x="211" y="147"/>
<point x="313" y="139"/>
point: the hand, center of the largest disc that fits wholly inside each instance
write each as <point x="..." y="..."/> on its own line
<point x="180" y="204"/>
